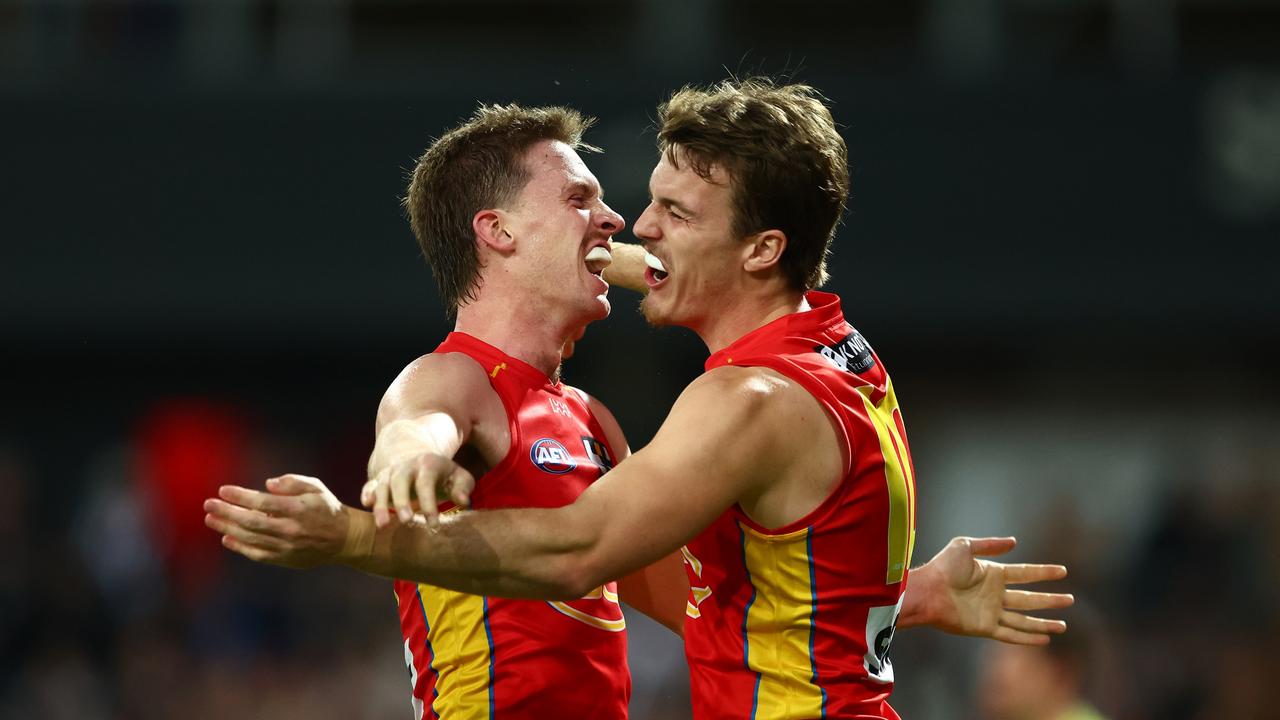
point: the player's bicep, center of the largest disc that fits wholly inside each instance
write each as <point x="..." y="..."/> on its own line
<point x="433" y="406"/>
<point x="710" y="451"/>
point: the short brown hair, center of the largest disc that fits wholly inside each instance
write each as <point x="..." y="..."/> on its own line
<point x="473" y="167"/>
<point x="787" y="163"/>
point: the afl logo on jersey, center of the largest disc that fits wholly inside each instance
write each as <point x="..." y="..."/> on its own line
<point x="550" y="456"/>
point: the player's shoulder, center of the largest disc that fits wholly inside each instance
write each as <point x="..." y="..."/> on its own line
<point x="602" y="415"/>
<point x="749" y="385"/>
<point x="594" y="404"/>
<point x="766" y="398"/>
<point x="436" y="381"/>
<point x="443" y="370"/>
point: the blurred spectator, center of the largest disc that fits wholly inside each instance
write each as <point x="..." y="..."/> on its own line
<point x="1050" y="682"/>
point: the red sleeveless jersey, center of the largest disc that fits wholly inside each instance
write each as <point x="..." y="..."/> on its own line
<point x="795" y="622"/>
<point x="471" y="656"/>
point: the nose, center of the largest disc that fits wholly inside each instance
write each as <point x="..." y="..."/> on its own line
<point x="646" y="228"/>
<point x="608" y="221"/>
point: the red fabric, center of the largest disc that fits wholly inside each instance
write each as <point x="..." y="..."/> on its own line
<point x="544" y="663"/>
<point x="847" y="535"/>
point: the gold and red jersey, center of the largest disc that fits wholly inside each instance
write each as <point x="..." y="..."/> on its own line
<point x="796" y="621"/>
<point x="472" y="656"/>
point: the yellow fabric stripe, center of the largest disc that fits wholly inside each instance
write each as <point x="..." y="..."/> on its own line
<point x="778" y="625"/>
<point x="611" y="625"/>
<point x="461" y="646"/>
<point x="897" y="474"/>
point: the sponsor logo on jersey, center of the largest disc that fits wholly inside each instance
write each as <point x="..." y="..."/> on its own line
<point x="851" y="354"/>
<point x="559" y="407"/>
<point x="550" y="456"/>
<point x="598" y="453"/>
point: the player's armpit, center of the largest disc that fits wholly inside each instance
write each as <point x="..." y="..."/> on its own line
<point x="660" y="591"/>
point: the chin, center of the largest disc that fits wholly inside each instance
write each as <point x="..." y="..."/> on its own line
<point x="653" y="314"/>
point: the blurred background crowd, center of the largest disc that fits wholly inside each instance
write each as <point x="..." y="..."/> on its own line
<point x="1062" y="241"/>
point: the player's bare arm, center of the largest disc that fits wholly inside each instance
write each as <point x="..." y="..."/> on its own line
<point x="627" y="267"/>
<point x="955" y="591"/>
<point x="641" y="511"/>
<point x="440" y="408"/>
<point x="660" y="589"/>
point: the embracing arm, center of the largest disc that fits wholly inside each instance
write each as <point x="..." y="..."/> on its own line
<point x="641" y="511"/>
<point x="627" y="268"/>
<point x="660" y="589"/>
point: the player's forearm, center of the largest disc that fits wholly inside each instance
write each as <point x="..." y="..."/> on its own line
<point x="627" y="268"/>
<point x="526" y="553"/>
<point x="407" y="438"/>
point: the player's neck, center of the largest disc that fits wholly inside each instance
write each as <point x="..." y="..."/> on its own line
<point x="531" y="340"/>
<point x="741" y="317"/>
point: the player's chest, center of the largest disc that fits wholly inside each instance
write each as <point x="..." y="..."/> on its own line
<point x="556" y="451"/>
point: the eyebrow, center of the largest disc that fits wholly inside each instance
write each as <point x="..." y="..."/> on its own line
<point x="585" y="187"/>
<point x="670" y="203"/>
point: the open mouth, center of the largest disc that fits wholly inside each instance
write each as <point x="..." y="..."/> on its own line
<point x="598" y="259"/>
<point x="655" y="272"/>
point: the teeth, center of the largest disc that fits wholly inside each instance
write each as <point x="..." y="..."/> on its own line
<point x="652" y="261"/>
<point x="600" y="254"/>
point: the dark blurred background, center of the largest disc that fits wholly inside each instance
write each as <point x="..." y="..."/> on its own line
<point x="1062" y="240"/>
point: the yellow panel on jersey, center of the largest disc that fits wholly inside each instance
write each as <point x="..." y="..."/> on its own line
<point x="898" y="476"/>
<point x="462" y="651"/>
<point x="778" y="627"/>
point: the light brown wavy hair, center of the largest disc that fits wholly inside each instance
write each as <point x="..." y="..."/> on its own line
<point x="787" y="164"/>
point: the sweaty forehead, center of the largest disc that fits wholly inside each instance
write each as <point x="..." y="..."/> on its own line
<point x="685" y="186"/>
<point x="555" y="162"/>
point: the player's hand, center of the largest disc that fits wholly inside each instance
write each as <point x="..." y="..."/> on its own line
<point x="971" y="596"/>
<point x="416" y="485"/>
<point x="298" y="523"/>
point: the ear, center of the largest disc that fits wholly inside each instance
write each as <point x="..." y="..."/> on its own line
<point x="491" y="231"/>
<point x="764" y="250"/>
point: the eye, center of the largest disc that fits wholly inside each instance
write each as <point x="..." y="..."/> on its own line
<point x="676" y="215"/>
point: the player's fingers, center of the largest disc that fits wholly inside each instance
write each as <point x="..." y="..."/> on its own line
<point x="253" y="499"/>
<point x="1017" y="637"/>
<point x="255" y="520"/>
<point x="382" y="498"/>
<point x="1025" y="573"/>
<point x="252" y="552"/>
<point x="402" y="480"/>
<point x="366" y="492"/>
<point x="988" y="546"/>
<point x="424" y="485"/>
<point x="1024" y="600"/>
<point x="294" y="485"/>
<point x="242" y="534"/>
<point x="1026" y="623"/>
<point x="462" y="483"/>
